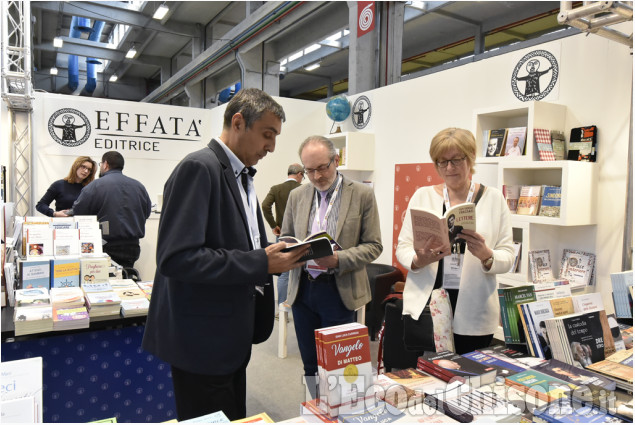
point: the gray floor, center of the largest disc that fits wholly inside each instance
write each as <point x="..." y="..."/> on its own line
<point x="274" y="385"/>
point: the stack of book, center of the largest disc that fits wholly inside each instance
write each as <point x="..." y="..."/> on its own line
<point x="69" y="311"/>
<point x="101" y="300"/>
<point x="406" y="387"/>
<point x="33" y="311"/>
<point x="622" y="284"/>
<point x="133" y="300"/>
<point x="449" y="367"/>
<point x="344" y="367"/>
<point x="618" y="367"/>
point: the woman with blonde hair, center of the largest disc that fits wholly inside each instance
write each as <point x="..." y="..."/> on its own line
<point x="467" y="270"/>
<point x="65" y="191"/>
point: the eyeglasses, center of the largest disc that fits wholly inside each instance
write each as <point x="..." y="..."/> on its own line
<point x="322" y="168"/>
<point x="83" y="167"/>
<point x="455" y="161"/>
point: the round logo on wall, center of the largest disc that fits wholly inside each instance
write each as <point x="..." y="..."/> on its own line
<point x="69" y="127"/>
<point x="535" y="75"/>
<point x="361" y="112"/>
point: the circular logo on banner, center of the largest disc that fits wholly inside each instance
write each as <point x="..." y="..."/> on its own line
<point x="69" y="127"/>
<point x="366" y="18"/>
<point x="535" y="75"/>
<point x="361" y="112"/>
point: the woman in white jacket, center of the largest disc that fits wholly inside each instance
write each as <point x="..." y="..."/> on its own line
<point x="468" y="269"/>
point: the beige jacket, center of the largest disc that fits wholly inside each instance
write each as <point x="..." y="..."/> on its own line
<point x="357" y="233"/>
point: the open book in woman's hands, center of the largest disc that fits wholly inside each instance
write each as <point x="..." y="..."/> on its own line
<point x="427" y="224"/>
<point x="321" y="245"/>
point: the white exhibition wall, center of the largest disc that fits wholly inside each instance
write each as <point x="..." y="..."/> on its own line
<point x="595" y="85"/>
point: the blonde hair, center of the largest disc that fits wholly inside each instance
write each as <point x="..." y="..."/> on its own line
<point x="450" y="138"/>
<point x="72" y="175"/>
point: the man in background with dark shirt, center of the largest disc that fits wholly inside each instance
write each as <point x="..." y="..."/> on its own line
<point x="278" y="195"/>
<point x="122" y="206"/>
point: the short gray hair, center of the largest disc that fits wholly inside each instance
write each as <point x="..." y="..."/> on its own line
<point x="295" y="169"/>
<point x="251" y="103"/>
<point x="321" y="140"/>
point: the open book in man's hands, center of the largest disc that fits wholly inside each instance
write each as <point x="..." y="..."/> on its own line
<point x="427" y="224"/>
<point x="322" y="245"/>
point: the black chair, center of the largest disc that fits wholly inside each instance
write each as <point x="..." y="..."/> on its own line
<point x="381" y="277"/>
<point x="130" y="273"/>
<point x="396" y="356"/>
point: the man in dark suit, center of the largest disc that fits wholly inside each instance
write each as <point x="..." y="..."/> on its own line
<point x="213" y="295"/>
<point x="278" y="195"/>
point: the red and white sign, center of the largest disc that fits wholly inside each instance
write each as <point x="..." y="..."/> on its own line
<point x="365" y="17"/>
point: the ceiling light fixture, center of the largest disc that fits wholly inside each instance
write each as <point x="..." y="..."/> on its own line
<point x="58" y="42"/>
<point x="312" y="67"/>
<point x="160" y="12"/>
<point x="113" y="78"/>
<point x="131" y="53"/>
<point x="53" y="71"/>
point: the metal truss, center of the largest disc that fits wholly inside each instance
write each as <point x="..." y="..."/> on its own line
<point x="595" y="17"/>
<point x="17" y="91"/>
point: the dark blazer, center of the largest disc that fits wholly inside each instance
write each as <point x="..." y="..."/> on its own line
<point x="277" y="195"/>
<point x="203" y="312"/>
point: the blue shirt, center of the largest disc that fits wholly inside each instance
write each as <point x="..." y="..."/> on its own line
<point x="120" y="203"/>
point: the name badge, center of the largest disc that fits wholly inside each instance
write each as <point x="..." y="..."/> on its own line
<point x="452" y="266"/>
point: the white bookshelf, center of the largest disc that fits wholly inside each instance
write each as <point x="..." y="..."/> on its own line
<point x="532" y="115"/>
<point x="358" y="148"/>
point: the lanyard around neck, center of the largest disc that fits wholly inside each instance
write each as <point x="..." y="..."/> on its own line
<point x="446" y="195"/>
<point x="322" y="226"/>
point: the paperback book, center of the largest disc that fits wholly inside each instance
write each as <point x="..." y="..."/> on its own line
<point x="540" y="265"/>
<point x="449" y="367"/>
<point x="529" y="200"/>
<point x="509" y="298"/>
<point x="550" y="202"/>
<point x="577" y="267"/>
<point x="512" y="194"/>
<point x="496" y="142"/>
<point x="321" y="245"/>
<point x="515" y="144"/>
<point x="65" y="272"/>
<point x="537" y="384"/>
<point x="34" y="273"/>
<point x="445" y="229"/>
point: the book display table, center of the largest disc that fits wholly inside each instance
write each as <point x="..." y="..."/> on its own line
<point x="96" y="373"/>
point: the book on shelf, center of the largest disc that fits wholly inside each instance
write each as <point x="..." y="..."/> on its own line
<point x="623" y="301"/>
<point x="321" y="245"/>
<point x="38" y="240"/>
<point x="90" y="242"/>
<point x="542" y="138"/>
<point x="549" y="290"/>
<point x="517" y="256"/>
<point x="537" y="384"/>
<point x="511" y="192"/>
<point x="34" y="273"/>
<point x="529" y="200"/>
<point x="22" y="379"/>
<point x="66" y="242"/>
<point x="406" y="387"/>
<point x="558" y="144"/>
<point x="94" y="270"/>
<point x="515" y="141"/>
<point x="449" y="367"/>
<point x="508" y="299"/>
<point x="580" y="339"/>
<point x="582" y="144"/>
<point x="65" y="272"/>
<point x="550" y="201"/>
<point x="540" y="265"/>
<point x="495" y="142"/>
<point x="428" y="224"/>
<point x="577" y="267"/>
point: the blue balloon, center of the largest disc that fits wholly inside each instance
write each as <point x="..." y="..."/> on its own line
<point x="338" y="108"/>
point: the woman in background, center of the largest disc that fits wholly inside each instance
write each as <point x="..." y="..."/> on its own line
<point x="64" y="192"/>
<point x="472" y="263"/>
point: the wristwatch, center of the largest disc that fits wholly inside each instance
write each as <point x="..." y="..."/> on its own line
<point x="488" y="263"/>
